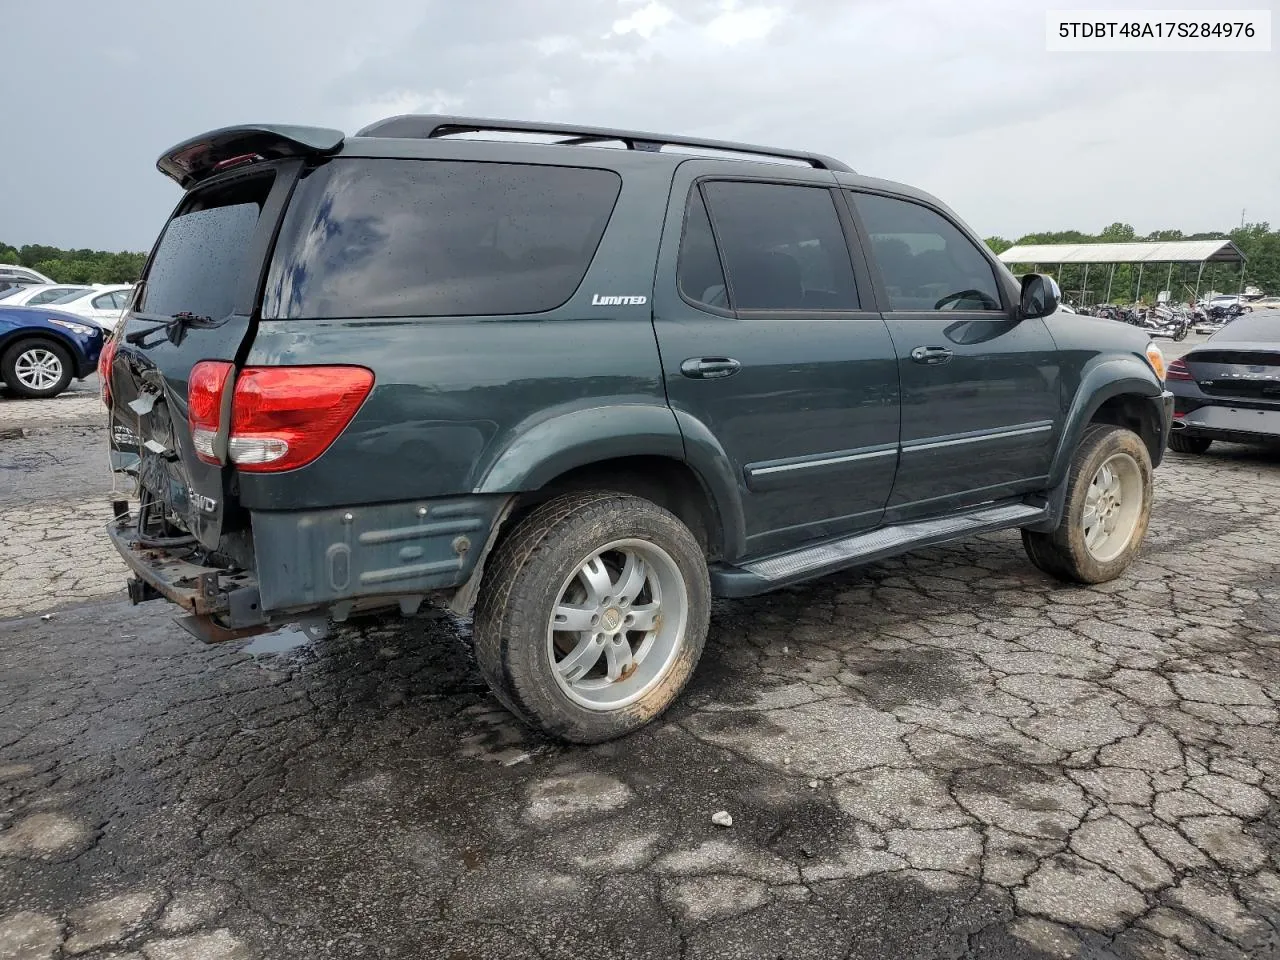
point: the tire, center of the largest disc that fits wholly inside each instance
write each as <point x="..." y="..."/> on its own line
<point x="36" y="368"/>
<point x="1180" y="443"/>
<point x="1180" y="334"/>
<point x="551" y="564"/>
<point x="1070" y="552"/>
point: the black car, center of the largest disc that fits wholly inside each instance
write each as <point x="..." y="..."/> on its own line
<point x="1228" y="388"/>
<point x="581" y="386"/>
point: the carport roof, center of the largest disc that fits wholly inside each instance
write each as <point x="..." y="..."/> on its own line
<point x="1169" y="251"/>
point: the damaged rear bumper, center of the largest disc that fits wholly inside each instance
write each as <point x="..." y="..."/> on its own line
<point x="177" y="575"/>
<point x="331" y="562"/>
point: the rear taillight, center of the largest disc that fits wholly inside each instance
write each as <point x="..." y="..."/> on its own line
<point x="285" y="417"/>
<point x="1178" y="370"/>
<point x="205" y="389"/>
<point x="105" y="359"/>
<point x="282" y="418"/>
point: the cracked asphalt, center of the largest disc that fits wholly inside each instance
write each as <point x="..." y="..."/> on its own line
<point x="944" y="755"/>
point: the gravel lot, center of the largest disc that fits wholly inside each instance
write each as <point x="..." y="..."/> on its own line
<point x="946" y="755"/>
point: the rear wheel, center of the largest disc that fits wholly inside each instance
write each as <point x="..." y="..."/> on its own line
<point x="1181" y="443"/>
<point x="36" y="368"/>
<point x="593" y="615"/>
<point x="1106" y="512"/>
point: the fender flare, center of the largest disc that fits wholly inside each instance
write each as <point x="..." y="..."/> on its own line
<point x="1101" y="380"/>
<point x="579" y="438"/>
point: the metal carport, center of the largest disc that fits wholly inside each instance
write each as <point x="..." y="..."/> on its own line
<point x="1142" y="253"/>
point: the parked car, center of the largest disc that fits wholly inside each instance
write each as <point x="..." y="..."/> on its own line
<point x="39" y="294"/>
<point x="1228" y="388"/>
<point x="12" y="275"/>
<point x="43" y="350"/>
<point x="103" y="305"/>
<point x="598" y="411"/>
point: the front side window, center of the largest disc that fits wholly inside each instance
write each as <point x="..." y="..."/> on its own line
<point x="436" y="238"/>
<point x="782" y="247"/>
<point x="926" y="262"/>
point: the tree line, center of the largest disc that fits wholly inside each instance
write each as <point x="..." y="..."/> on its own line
<point x="76" y="266"/>
<point x="1257" y="241"/>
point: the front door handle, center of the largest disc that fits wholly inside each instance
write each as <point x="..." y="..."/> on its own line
<point x="931" y="354"/>
<point x="709" y="368"/>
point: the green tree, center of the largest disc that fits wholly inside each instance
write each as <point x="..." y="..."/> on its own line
<point x="1117" y="233"/>
<point x="998" y="245"/>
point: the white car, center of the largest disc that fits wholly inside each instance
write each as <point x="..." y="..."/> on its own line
<point x="37" y="294"/>
<point x="102" y="305"/>
<point x="12" y="275"/>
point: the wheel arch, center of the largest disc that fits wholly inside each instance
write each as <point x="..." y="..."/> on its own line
<point x="644" y="449"/>
<point x="1115" y="390"/>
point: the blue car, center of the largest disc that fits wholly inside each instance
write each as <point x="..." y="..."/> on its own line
<point x="42" y="350"/>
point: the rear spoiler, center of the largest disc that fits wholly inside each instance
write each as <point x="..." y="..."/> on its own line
<point x="201" y="157"/>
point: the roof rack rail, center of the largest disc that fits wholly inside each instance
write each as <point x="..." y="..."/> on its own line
<point x="430" y="126"/>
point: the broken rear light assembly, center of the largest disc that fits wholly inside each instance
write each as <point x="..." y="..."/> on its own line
<point x="281" y="418"/>
<point x="105" y="359"/>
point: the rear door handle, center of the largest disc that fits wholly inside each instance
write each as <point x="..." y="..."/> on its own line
<point x="931" y="354"/>
<point x="709" y="368"/>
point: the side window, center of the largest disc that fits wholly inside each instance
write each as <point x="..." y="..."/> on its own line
<point x="122" y="299"/>
<point x="782" y="246"/>
<point x="926" y="262"/>
<point x="105" y="302"/>
<point x="698" y="270"/>
<point x="45" y="296"/>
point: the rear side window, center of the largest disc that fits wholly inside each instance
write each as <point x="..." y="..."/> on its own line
<point x="201" y="260"/>
<point x="434" y="238"/>
<point x="699" y="271"/>
<point x="782" y="246"/>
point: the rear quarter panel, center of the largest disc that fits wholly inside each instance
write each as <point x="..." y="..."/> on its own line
<point x="493" y="403"/>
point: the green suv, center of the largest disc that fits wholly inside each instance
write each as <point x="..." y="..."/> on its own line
<point x="578" y="381"/>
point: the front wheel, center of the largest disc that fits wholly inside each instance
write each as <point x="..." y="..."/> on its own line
<point x="1107" y="509"/>
<point x="36" y="369"/>
<point x="593" y="615"/>
<point x="1180" y="333"/>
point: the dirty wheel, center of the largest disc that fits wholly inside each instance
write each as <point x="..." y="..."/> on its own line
<point x="593" y="615"/>
<point x="1180" y="443"/>
<point x="1106" y="512"/>
<point x="36" y="368"/>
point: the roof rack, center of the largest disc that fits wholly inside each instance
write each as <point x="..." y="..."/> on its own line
<point x="428" y="127"/>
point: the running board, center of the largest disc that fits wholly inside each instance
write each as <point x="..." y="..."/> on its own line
<point x="760" y="576"/>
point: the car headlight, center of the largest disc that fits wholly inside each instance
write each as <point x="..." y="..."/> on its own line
<point x="1156" y="359"/>
<point x="79" y="329"/>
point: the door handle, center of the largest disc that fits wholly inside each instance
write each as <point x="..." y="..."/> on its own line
<point x="931" y="354"/>
<point x="709" y="368"/>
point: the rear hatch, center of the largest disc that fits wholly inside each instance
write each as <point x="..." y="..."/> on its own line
<point x="194" y="303"/>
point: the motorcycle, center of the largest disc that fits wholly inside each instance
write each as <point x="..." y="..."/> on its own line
<point x="1163" y="320"/>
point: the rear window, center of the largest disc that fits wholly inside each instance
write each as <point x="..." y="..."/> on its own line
<point x="200" y="262"/>
<point x="433" y="238"/>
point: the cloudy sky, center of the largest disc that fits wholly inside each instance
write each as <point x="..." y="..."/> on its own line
<point x="959" y="98"/>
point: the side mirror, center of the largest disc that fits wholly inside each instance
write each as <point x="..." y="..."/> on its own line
<point x="1040" y="296"/>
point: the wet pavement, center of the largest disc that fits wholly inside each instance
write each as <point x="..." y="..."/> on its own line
<point x="946" y="755"/>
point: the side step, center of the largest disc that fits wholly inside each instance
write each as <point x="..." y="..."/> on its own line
<point x="760" y="576"/>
